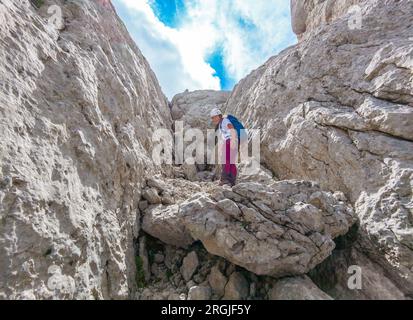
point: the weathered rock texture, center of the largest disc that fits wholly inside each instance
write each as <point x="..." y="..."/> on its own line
<point x="193" y="108"/>
<point x="307" y="15"/>
<point x="297" y="288"/>
<point x="215" y="279"/>
<point x="337" y="109"/>
<point x="284" y="228"/>
<point x="78" y="103"/>
<point x="332" y="275"/>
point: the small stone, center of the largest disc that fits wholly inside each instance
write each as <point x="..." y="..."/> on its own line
<point x="228" y="193"/>
<point x="230" y="208"/>
<point x="167" y="199"/>
<point x="198" y="278"/>
<point x="177" y="280"/>
<point x="190" y="284"/>
<point x="143" y="205"/>
<point x="199" y="293"/>
<point x="189" y="265"/>
<point x="174" y="297"/>
<point x="6" y="183"/>
<point x="237" y="287"/>
<point x="152" y="196"/>
<point x="159" y="258"/>
<point x="190" y="172"/>
<point x="338" y="195"/>
<point x="217" y="281"/>
<point x="262" y="235"/>
<point x="156" y="183"/>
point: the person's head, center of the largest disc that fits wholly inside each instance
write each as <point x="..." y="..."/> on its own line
<point x="216" y="116"/>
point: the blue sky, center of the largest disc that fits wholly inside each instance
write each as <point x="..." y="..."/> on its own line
<point x="168" y="11"/>
<point x="206" y="44"/>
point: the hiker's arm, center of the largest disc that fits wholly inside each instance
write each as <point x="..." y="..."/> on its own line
<point x="234" y="136"/>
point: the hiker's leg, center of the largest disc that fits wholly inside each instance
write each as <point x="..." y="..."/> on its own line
<point x="225" y="176"/>
<point x="228" y="157"/>
<point x="233" y="174"/>
<point x="226" y="167"/>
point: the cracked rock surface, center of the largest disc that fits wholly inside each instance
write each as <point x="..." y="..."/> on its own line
<point x="85" y="213"/>
<point x="78" y="104"/>
<point x="278" y="229"/>
<point x="340" y="105"/>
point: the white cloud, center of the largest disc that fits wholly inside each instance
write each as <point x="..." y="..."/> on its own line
<point x="248" y="31"/>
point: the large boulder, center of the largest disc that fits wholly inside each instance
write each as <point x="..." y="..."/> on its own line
<point x="193" y="108"/>
<point x="163" y="223"/>
<point x="285" y="228"/>
<point x="340" y="109"/>
<point x="78" y="105"/>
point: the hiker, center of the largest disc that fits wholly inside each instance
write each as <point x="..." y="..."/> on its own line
<point x="231" y="132"/>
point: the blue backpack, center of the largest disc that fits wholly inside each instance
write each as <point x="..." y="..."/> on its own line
<point x="238" y="126"/>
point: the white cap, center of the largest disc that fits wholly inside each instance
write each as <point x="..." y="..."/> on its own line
<point x="216" y="112"/>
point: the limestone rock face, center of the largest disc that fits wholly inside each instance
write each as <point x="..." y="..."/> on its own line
<point x="307" y="15"/>
<point x="338" y="109"/>
<point x="285" y="228"/>
<point x="78" y="105"/>
<point x="333" y="276"/>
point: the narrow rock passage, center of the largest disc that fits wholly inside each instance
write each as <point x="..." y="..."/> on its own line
<point x="85" y="212"/>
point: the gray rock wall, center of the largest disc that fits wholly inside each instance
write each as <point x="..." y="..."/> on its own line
<point x="307" y="15"/>
<point x="337" y="109"/>
<point x="78" y="103"/>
